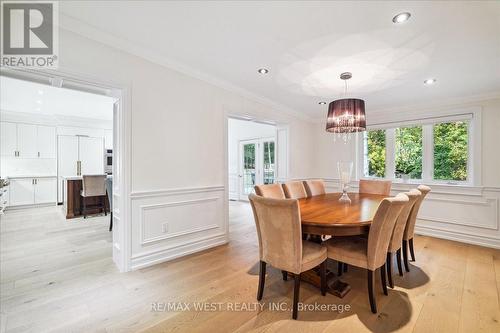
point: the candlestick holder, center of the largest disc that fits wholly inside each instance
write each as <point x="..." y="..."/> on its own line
<point x="345" y="172"/>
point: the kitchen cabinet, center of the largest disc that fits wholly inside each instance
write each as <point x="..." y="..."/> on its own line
<point x="8" y="139"/>
<point x="32" y="190"/>
<point x="46" y="140"/>
<point x="27" y="140"/>
<point x="78" y="155"/>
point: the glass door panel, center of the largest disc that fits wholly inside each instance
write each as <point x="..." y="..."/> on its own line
<point x="249" y="167"/>
<point x="269" y="162"/>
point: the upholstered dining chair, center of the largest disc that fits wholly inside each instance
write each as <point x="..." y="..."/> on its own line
<point x="274" y="191"/>
<point x="280" y="243"/>
<point x="294" y="190"/>
<point x="372" y="186"/>
<point x="397" y="235"/>
<point x="370" y="253"/>
<point x="93" y="186"/>
<point x="410" y="226"/>
<point x="314" y="187"/>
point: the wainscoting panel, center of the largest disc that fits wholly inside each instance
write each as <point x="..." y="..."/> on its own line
<point x="176" y="222"/>
<point x="461" y="213"/>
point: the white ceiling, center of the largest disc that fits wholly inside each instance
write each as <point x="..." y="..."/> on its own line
<point x="30" y="97"/>
<point x="306" y="45"/>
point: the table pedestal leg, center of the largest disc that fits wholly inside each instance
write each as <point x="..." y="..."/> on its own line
<point x="334" y="285"/>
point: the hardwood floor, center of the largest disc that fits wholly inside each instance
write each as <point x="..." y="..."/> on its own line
<point x="57" y="276"/>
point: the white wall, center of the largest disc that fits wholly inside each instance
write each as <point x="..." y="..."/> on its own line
<point x="178" y="166"/>
<point x="467" y="214"/>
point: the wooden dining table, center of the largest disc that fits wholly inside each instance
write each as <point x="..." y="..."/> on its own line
<point x="325" y="215"/>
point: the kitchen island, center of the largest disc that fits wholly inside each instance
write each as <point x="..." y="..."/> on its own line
<point x="73" y="201"/>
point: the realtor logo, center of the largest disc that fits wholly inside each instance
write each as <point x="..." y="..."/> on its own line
<point x="29" y="34"/>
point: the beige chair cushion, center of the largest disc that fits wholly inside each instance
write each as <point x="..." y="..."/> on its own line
<point x="375" y="247"/>
<point x="280" y="235"/>
<point x="294" y="190"/>
<point x="274" y="191"/>
<point x="93" y="185"/>
<point x="352" y="250"/>
<point x="371" y="186"/>
<point x="412" y="219"/>
<point x="314" y="187"/>
<point x="399" y="228"/>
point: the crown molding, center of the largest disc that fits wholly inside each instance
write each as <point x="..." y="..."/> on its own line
<point x="86" y="30"/>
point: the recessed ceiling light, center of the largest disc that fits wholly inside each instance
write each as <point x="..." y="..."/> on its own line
<point x="430" y="81"/>
<point x="321" y="103"/>
<point x="263" y="70"/>
<point x="401" y="17"/>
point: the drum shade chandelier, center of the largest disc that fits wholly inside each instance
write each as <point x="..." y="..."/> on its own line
<point x="346" y="115"/>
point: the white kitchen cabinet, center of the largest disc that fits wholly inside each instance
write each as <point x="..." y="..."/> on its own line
<point x="22" y="191"/>
<point x="108" y="139"/>
<point x="29" y="191"/>
<point x="27" y="146"/>
<point x="27" y="140"/>
<point x="46" y="140"/>
<point x="91" y="155"/>
<point x="45" y="190"/>
<point x="8" y="139"/>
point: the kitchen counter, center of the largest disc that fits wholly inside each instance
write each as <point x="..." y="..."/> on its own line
<point x="30" y="176"/>
<point x="79" y="177"/>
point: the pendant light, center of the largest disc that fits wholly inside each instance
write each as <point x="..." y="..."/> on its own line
<point x="346" y="115"/>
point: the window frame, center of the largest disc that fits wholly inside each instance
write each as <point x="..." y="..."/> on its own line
<point x="473" y="119"/>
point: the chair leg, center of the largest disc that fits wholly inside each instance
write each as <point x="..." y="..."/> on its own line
<point x="322" y="270"/>
<point x="340" y="268"/>
<point x="262" y="280"/>
<point x="382" y="279"/>
<point x="398" y="260"/>
<point x="110" y="221"/>
<point x="103" y="200"/>
<point x="84" y="210"/>
<point x="412" y="253"/>
<point x="285" y="275"/>
<point x="371" y="285"/>
<point x="405" y="255"/>
<point x="296" y="290"/>
<point x="388" y="264"/>
<point x="345" y="267"/>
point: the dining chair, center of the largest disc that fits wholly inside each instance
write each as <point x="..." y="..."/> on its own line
<point x="370" y="253"/>
<point x="294" y="190"/>
<point x="397" y="235"/>
<point x="372" y="186"/>
<point x="109" y="193"/>
<point x="93" y="186"/>
<point x="274" y="191"/>
<point x="410" y="226"/>
<point x="314" y="187"/>
<point x="279" y="231"/>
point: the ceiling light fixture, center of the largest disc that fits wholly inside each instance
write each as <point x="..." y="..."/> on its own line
<point x="430" y="81"/>
<point x="401" y="17"/>
<point x="346" y="115"/>
<point x="322" y="103"/>
<point x="263" y="70"/>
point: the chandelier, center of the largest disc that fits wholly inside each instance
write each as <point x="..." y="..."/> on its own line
<point x="346" y="115"/>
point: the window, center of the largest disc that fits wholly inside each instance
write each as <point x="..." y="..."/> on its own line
<point x="268" y="162"/>
<point x="375" y="153"/>
<point x="451" y="151"/>
<point x="421" y="150"/>
<point x="408" y="151"/>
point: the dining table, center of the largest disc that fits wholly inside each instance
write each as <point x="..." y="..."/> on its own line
<point x="324" y="215"/>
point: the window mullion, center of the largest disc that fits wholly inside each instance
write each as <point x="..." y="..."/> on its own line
<point x="427" y="153"/>
<point x="390" y="164"/>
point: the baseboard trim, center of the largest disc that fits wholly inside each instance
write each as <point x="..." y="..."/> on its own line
<point x="171" y="253"/>
<point x="458" y="237"/>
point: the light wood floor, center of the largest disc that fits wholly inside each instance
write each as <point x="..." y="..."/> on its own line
<point x="57" y="275"/>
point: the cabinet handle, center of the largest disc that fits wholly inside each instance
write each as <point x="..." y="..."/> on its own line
<point x="38" y="154"/>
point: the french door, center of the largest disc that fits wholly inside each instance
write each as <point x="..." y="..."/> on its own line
<point x="257" y="165"/>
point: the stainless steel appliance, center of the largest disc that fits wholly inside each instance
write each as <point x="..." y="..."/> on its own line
<point x="108" y="162"/>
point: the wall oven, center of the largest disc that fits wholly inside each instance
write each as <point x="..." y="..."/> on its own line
<point x="108" y="161"/>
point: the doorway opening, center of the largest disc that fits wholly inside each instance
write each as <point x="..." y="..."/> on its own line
<point x="56" y="131"/>
<point x="251" y="156"/>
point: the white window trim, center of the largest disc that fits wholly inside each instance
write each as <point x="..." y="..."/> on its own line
<point x="427" y="120"/>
